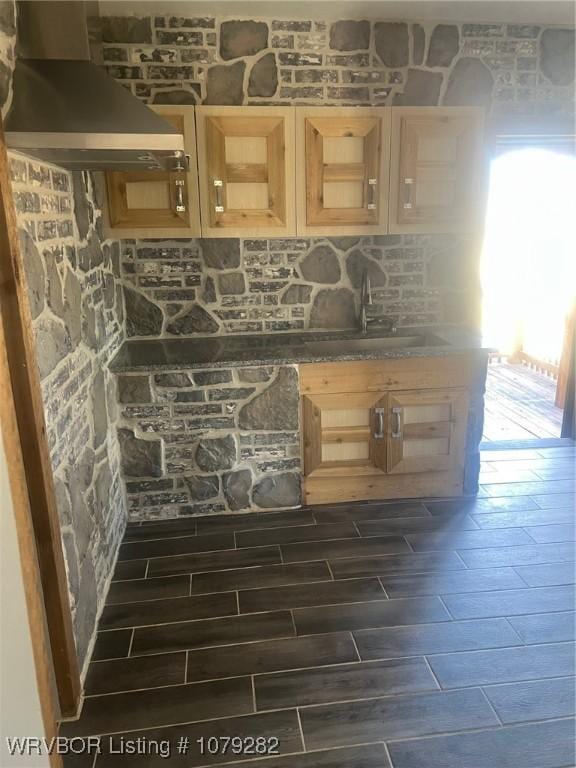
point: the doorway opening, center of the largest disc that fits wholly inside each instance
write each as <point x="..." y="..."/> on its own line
<point x="528" y="273"/>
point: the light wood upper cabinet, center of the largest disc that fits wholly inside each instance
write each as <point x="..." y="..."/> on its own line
<point x="246" y="167"/>
<point x="282" y="171"/>
<point x="157" y="203"/>
<point x="342" y="170"/>
<point x="437" y="169"/>
<point x="426" y="430"/>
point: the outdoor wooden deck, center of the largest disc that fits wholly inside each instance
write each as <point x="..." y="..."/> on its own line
<point x="520" y="404"/>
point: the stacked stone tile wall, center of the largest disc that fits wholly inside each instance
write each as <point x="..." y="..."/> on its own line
<point x="77" y="307"/>
<point x="7" y="45"/>
<point x="205" y="287"/>
<point x="76" y="302"/>
<point x="167" y="59"/>
<point x="206" y="441"/>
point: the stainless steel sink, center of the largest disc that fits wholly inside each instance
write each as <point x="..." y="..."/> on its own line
<point x="345" y="346"/>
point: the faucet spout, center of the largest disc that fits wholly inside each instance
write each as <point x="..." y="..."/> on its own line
<point x="365" y="300"/>
<point x="366" y="296"/>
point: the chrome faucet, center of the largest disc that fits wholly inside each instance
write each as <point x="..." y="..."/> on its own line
<point x="366" y="301"/>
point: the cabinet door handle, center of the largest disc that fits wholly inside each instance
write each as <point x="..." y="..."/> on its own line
<point x="379" y="431"/>
<point x="372" y="194"/>
<point x="396" y="423"/>
<point x="180" y="206"/>
<point x="218" y="186"/>
<point x="408" y="183"/>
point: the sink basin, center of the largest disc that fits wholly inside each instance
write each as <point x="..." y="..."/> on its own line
<point x="346" y="346"/>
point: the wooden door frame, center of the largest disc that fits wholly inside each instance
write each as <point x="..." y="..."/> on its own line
<point x="24" y="430"/>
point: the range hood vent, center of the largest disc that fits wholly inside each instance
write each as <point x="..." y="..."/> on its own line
<point x="70" y="112"/>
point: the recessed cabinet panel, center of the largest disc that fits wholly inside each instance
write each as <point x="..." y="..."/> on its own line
<point x="157" y="203"/>
<point x="147" y="195"/>
<point x="246" y="164"/>
<point x="344" y="437"/>
<point x="437" y="173"/>
<point x="342" y="169"/>
<point x="426" y="430"/>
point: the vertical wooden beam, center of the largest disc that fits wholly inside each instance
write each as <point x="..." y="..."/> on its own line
<point x="19" y="350"/>
<point x="566" y="359"/>
<point x="43" y="664"/>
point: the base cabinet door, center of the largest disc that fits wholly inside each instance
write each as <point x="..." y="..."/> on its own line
<point x="157" y="204"/>
<point x="344" y="435"/>
<point x="426" y="430"/>
<point x="437" y="169"/>
<point x="370" y="432"/>
<point x="342" y="158"/>
<point x="246" y="167"/>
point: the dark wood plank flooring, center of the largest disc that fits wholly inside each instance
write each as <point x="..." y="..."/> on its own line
<point x="375" y="635"/>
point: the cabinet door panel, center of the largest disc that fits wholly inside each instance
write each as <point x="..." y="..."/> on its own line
<point x="157" y="203"/>
<point x="246" y="161"/>
<point x="426" y="430"/>
<point x="342" y="169"/>
<point x="437" y="181"/>
<point x="344" y="434"/>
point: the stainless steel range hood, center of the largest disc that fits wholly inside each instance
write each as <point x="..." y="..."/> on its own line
<point x="68" y="111"/>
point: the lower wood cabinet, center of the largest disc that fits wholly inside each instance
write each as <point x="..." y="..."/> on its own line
<point x="383" y="442"/>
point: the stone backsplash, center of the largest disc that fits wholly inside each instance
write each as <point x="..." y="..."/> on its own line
<point x="210" y="441"/>
<point x="220" y="286"/>
<point x="205" y="286"/>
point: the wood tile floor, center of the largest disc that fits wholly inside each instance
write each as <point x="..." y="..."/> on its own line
<point x="414" y="635"/>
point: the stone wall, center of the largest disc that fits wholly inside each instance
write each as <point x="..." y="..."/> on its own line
<point x="210" y="441"/>
<point x="183" y="288"/>
<point x="189" y="59"/>
<point x="77" y="308"/>
<point x="7" y="45"/>
<point x="210" y="286"/>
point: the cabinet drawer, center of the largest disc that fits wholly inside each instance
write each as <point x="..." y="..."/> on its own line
<point x="382" y="375"/>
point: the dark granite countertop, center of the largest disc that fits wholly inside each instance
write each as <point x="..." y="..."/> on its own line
<point x="292" y="348"/>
